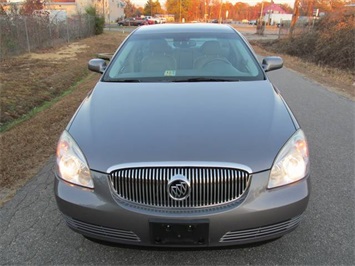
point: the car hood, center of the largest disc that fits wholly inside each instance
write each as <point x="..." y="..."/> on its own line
<point x="231" y="122"/>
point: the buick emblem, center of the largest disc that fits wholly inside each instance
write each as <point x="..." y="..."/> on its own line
<point x="178" y="187"/>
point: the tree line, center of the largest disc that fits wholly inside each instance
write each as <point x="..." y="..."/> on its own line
<point x="206" y="10"/>
<point x="26" y="8"/>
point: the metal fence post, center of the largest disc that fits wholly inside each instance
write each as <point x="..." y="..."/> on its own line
<point x="68" y="39"/>
<point x="28" y="40"/>
<point x="80" y="26"/>
<point x="88" y="25"/>
<point x="19" y="44"/>
<point x="50" y="34"/>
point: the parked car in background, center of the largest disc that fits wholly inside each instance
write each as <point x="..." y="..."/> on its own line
<point x="154" y="20"/>
<point x="149" y="21"/>
<point x="252" y="22"/>
<point x="132" y="22"/>
<point x="184" y="141"/>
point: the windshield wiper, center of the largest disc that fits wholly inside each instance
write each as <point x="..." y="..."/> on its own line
<point x="202" y="79"/>
<point x="123" y="80"/>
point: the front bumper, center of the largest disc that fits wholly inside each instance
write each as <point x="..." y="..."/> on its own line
<point x="261" y="215"/>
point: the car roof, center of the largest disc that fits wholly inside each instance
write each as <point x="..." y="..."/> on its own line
<point x="186" y="27"/>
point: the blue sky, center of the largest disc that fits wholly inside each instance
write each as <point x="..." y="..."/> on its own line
<point x="251" y="2"/>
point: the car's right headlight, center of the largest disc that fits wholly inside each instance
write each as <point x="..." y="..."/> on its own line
<point x="71" y="162"/>
<point x="292" y="162"/>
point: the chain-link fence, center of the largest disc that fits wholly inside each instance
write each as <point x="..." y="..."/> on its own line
<point x="282" y="29"/>
<point x="21" y="34"/>
<point x="300" y="27"/>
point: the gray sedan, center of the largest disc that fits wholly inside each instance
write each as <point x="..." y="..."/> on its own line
<point x="183" y="142"/>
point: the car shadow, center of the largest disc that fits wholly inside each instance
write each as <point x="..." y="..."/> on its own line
<point x="171" y="248"/>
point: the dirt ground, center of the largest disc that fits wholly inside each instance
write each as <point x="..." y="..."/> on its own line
<point x="30" y="80"/>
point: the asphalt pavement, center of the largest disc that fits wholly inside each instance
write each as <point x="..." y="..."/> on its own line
<point x="32" y="230"/>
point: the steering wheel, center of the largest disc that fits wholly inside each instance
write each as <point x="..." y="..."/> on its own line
<point x="216" y="60"/>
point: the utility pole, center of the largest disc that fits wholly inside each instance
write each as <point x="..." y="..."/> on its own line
<point x="220" y="12"/>
<point x="261" y="13"/>
<point x="260" y="26"/>
<point x="180" y="11"/>
<point x="310" y="12"/>
<point x="204" y="15"/>
<point x="103" y="8"/>
<point x="295" y="15"/>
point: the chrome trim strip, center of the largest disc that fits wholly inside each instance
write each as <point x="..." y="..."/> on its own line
<point x="98" y="230"/>
<point x="268" y="230"/>
<point x="195" y="164"/>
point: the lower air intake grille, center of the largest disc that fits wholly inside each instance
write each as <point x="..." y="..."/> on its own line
<point x="265" y="231"/>
<point x="115" y="234"/>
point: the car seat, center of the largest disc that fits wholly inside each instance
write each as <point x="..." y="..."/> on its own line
<point x="211" y="51"/>
<point x="158" y="58"/>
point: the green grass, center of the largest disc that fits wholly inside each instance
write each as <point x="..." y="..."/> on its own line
<point x="42" y="107"/>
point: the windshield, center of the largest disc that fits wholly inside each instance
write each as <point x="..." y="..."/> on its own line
<point x="189" y="57"/>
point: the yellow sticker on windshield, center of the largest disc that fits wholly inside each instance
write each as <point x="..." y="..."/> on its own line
<point x="169" y="73"/>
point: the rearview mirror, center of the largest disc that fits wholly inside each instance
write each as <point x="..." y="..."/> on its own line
<point x="272" y="63"/>
<point x="97" y="65"/>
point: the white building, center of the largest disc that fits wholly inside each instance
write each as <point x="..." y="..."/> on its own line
<point x="274" y="14"/>
<point x="111" y="9"/>
<point x="273" y="19"/>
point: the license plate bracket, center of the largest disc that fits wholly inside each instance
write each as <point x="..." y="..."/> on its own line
<point x="194" y="233"/>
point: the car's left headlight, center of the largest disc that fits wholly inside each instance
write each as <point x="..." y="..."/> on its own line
<point x="71" y="162"/>
<point x="292" y="162"/>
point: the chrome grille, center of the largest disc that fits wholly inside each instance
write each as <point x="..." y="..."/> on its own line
<point x="210" y="186"/>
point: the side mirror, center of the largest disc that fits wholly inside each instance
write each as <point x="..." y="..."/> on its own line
<point x="97" y="65"/>
<point x="272" y="63"/>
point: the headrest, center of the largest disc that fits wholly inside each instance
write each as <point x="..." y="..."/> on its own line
<point x="159" y="45"/>
<point x="211" y="48"/>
